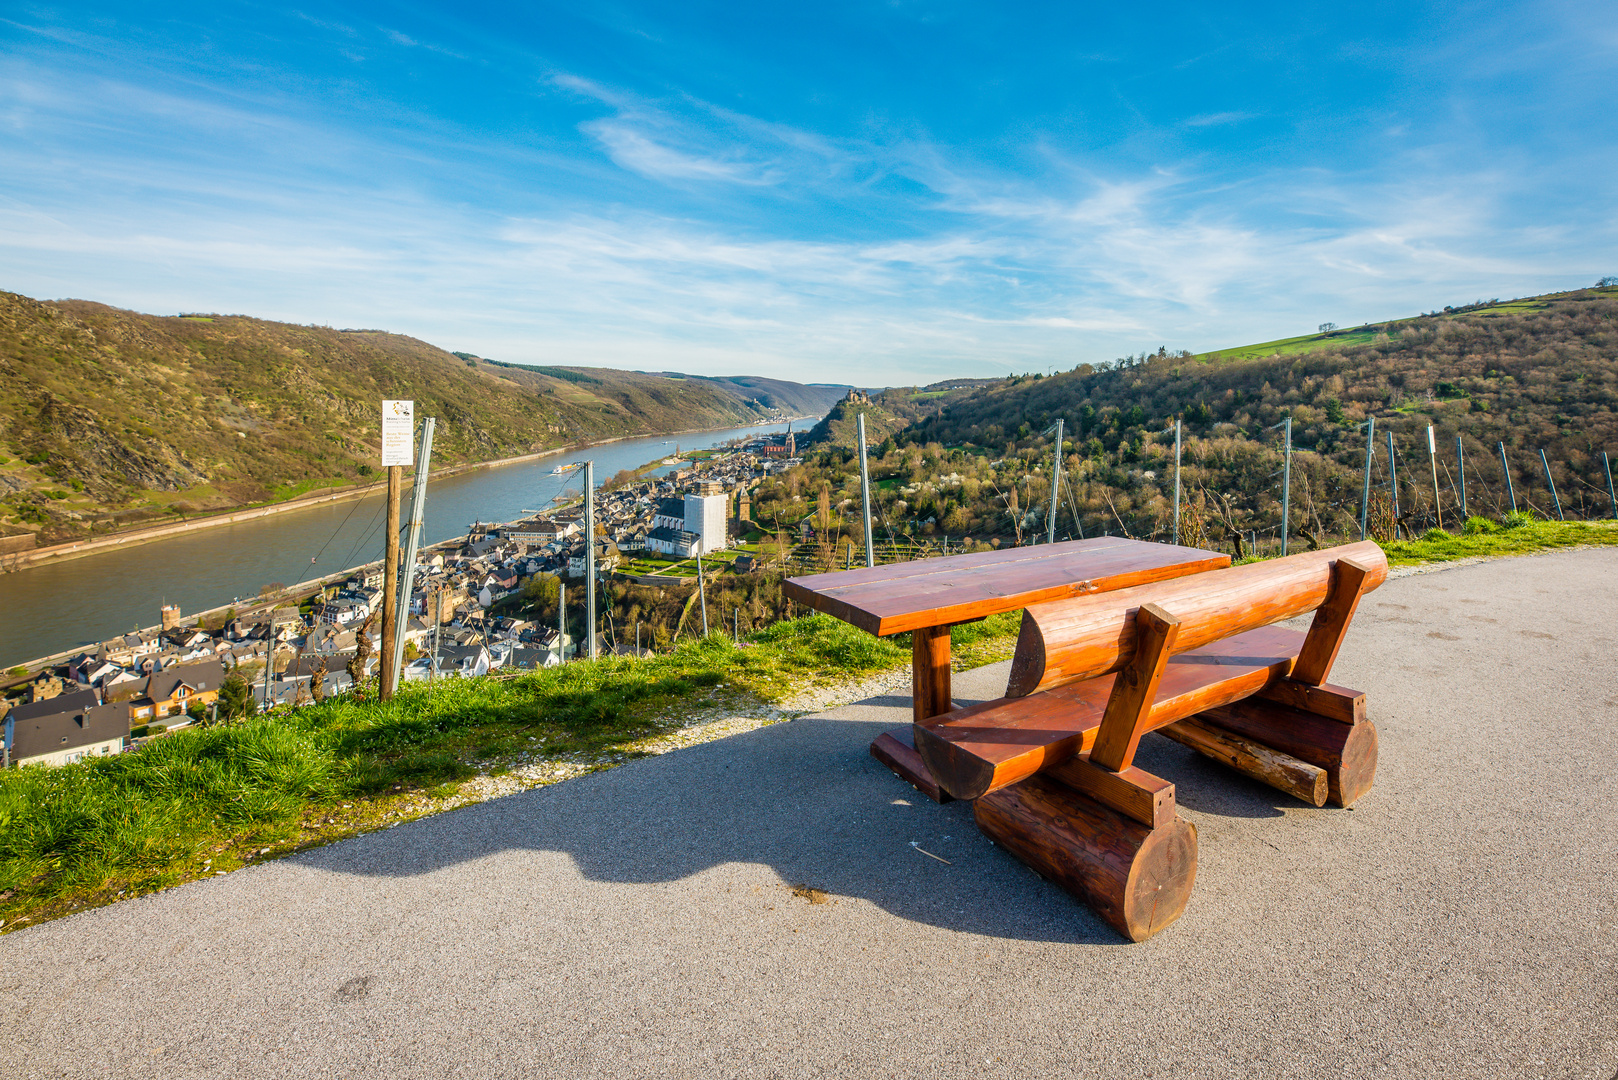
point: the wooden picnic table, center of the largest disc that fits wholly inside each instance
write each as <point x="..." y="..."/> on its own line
<point x="928" y="596"/>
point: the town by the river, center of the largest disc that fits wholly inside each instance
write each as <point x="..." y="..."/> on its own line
<point x="58" y="606"/>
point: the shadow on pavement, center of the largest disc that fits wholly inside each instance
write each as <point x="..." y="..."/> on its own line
<point x="804" y="798"/>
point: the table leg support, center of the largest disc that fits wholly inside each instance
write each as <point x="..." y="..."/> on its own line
<point x="930" y="695"/>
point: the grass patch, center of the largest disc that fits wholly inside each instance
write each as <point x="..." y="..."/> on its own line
<point x="283" y="492"/>
<point x="1518" y="535"/>
<point x="206" y="800"/>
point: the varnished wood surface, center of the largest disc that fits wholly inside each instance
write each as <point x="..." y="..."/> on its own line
<point x="1348" y="752"/>
<point x="895" y="750"/>
<point x="1135" y="689"/>
<point x="1134" y="793"/>
<point x="989" y="746"/>
<point x="892" y="599"/>
<point x="929" y="673"/>
<point x="1265" y="764"/>
<point x="1136" y="879"/>
<point x="1326" y="633"/>
<point x="1082" y="638"/>
<point x="1336" y="702"/>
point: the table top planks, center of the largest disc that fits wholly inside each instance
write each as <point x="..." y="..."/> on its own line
<point x="897" y="597"/>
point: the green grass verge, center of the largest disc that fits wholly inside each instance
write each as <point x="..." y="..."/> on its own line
<point x="202" y="801"/>
<point x="1485" y="538"/>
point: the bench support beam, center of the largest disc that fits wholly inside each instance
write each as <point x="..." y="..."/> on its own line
<point x="1331" y="621"/>
<point x="1134" y="793"/>
<point x="1135" y="689"/>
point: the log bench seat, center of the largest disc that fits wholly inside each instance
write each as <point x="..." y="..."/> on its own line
<point x="1050" y="766"/>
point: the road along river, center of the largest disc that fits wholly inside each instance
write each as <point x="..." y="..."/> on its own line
<point x="62" y="605"/>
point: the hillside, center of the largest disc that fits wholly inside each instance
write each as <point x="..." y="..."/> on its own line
<point x="110" y="418"/>
<point x="1538" y="373"/>
<point x="887" y="411"/>
<point x="789" y="398"/>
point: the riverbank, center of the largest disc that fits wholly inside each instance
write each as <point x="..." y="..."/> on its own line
<point x="57" y="553"/>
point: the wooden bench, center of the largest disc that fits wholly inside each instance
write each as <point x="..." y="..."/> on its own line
<point x="1198" y="658"/>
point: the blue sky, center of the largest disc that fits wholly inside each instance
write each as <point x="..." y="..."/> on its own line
<point x="869" y="193"/>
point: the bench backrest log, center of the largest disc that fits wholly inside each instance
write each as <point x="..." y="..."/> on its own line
<point x="1066" y="641"/>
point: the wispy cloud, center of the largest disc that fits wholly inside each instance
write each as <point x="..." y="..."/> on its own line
<point x="665" y="230"/>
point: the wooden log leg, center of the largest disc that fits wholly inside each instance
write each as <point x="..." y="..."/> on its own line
<point x="929" y="669"/>
<point x="1281" y="771"/>
<point x="1347" y="752"/>
<point x="897" y="751"/>
<point x="1137" y="879"/>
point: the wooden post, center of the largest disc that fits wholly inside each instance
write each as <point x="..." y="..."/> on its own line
<point x="929" y="672"/>
<point x="865" y="495"/>
<point x="390" y="580"/>
<point x="1432" y="458"/>
<point x="1176" y="483"/>
<point x="1505" y="467"/>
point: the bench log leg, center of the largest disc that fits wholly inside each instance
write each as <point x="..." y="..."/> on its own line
<point x="1347" y="752"/>
<point x="929" y="673"/>
<point x="1137" y="879"/>
<point x="897" y="751"/>
<point x="1267" y="765"/>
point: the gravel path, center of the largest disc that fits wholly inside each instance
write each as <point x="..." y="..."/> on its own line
<point x="1462" y="921"/>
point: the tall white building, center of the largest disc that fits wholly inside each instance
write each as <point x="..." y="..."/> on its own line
<point x="705" y="516"/>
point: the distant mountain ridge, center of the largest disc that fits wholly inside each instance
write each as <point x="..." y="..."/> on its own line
<point x="111" y="418"/>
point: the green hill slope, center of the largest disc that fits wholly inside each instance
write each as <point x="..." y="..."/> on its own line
<point x="110" y="418"/>
<point x="1539" y="373"/>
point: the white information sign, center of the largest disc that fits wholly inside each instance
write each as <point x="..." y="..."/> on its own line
<point x="398" y="432"/>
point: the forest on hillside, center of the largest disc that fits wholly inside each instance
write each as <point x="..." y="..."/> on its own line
<point x="1537" y="374"/>
<point x="111" y="418"/>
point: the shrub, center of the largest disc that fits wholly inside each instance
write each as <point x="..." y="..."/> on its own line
<point x="139" y="732"/>
<point x="1476" y="526"/>
<point x="1517" y="519"/>
<point x="1435" y="534"/>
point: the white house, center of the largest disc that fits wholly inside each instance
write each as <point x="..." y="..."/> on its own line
<point x="705" y="516"/>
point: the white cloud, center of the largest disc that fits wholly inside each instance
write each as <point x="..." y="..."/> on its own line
<point x="803" y="265"/>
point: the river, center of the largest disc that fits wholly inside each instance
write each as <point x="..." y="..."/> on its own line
<point x="63" y="605"/>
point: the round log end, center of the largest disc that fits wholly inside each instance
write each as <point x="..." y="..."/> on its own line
<point x="1357" y="771"/>
<point x="1137" y="879"/>
<point x="1160" y="879"/>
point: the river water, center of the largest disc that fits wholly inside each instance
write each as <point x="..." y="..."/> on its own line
<point x="63" y="605"/>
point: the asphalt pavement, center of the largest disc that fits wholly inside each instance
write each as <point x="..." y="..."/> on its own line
<point x="1461" y="921"/>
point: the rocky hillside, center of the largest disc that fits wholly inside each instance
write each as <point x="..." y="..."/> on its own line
<point x="887" y="411"/>
<point x="110" y="418"/>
